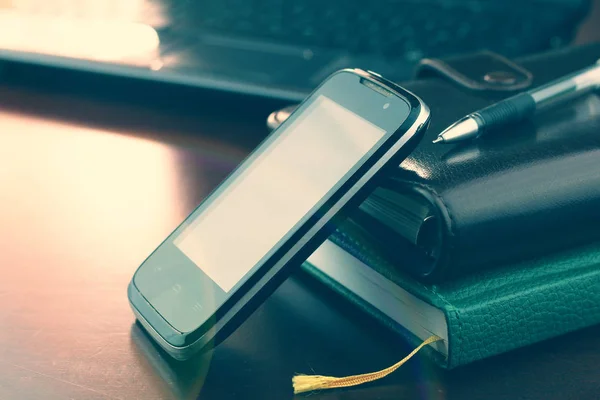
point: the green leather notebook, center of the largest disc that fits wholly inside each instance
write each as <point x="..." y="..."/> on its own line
<point x="478" y="316"/>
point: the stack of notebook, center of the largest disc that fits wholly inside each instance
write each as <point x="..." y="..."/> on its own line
<point x="491" y="245"/>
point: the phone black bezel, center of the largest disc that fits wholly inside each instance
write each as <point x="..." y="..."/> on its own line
<point x="296" y="249"/>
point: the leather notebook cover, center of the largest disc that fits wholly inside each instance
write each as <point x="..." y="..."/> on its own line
<point x="513" y="195"/>
<point x="491" y="311"/>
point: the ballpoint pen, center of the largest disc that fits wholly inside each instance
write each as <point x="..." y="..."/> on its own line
<point x="521" y="106"/>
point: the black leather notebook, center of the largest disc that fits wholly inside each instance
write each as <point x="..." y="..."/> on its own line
<point x="526" y="191"/>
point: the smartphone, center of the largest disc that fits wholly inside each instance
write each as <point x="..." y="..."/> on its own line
<point x="274" y="210"/>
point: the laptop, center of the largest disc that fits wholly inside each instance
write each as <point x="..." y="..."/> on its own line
<point x="274" y="48"/>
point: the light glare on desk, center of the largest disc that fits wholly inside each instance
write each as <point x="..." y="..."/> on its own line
<point x="108" y="40"/>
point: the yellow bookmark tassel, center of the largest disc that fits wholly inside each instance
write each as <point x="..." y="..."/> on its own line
<point x="307" y="383"/>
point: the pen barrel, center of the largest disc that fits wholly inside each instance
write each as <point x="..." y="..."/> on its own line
<point x="566" y="88"/>
<point x="509" y="111"/>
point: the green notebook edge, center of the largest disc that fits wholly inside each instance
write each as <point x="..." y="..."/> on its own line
<point x="412" y="340"/>
<point x="492" y="311"/>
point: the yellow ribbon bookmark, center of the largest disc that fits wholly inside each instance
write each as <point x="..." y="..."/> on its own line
<point x="307" y="383"/>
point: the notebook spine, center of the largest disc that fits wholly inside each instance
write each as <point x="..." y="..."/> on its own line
<point x="408" y="217"/>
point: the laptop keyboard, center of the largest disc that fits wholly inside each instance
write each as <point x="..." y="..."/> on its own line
<point x="392" y="28"/>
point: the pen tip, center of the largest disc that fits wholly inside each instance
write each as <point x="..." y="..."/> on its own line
<point x="438" y="140"/>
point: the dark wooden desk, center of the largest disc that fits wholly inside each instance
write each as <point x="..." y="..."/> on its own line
<point x="89" y="189"/>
